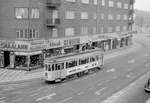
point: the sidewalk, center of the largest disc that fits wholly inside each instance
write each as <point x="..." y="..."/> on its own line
<point x="16" y="75"/>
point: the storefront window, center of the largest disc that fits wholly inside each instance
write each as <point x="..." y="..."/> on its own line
<point x="36" y="60"/>
<point x="21" y="61"/>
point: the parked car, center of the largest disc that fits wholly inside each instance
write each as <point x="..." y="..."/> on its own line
<point x="147" y="86"/>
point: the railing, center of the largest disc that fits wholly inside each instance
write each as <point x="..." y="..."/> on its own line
<point x="53" y="3"/>
<point x="52" y="22"/>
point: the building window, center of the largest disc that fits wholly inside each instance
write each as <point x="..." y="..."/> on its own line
<point x="125" y="17"/>
<point x="110" y="17"/>
<point x="119" y="5"/>
<point x="71" y="0"/>
<point x="85" y="1"/>
<point x="111" y="3"/>
<point x="84" y="15"/>
<point x="118" y="17"/>
<point x="84" y="31"/>
<point x="94" y="30"/>
<point x="103" y="2"/>
<point x="95" y="2"/>
<point x="124" y="28"/>
<point x="102" y="16"/>
<point x="22" y="13"/>
<point x="26" y="13"/>
<point x="110" y="29"/>
<point x="70" y="15"/>
<point x="102" y="29"/>
<point x="94" y="16"/>
<point x="27" y="34"/>
<point x="35" y="14"/>
<point x="117" y="28"/>
<point x="126" y="6"/>
<point x="54" y="33"/>
<point x="69" y="31"/>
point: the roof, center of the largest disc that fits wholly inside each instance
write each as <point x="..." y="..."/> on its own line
<point x="72" y="56"/>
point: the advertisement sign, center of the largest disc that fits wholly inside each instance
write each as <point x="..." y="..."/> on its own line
<point x="12" y="45"/>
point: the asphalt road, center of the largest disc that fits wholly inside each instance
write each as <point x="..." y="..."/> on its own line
<point x="118" y="73"/>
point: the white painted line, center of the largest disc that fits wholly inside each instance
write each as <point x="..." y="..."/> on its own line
<point x="48" y="97"/>
<point x="147" y="65"/>
<point x="34" y="94"/>
<point x="90" y="88"/>
<point x="99" y="91"/>
<point x="99" y="84"/>
<point x="16" y="100"/>
<point x="2" y="98"/>
<point x="80" y="93"/>
<point x="67" y="99"/>
<point x="145" y="55"/>
<point x="131" y="61"/>
<point x="111" y="70"/>
<point x="2" y="102"/>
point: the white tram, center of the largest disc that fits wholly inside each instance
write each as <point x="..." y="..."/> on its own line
<point x="60" y="68"/>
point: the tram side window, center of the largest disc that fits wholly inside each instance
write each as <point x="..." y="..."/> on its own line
<point x="53" y="67"/>
<point x="97" y="57"/>
<point x="92" y="59"/>
<point x="83" y="61"/>
<point x="49" y="68"/>
<point x="72" y="64"/>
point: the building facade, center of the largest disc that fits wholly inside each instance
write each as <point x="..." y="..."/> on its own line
<point x="31" y="30"/>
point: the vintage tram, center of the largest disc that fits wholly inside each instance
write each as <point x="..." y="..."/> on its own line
<point x="60" y="68"/>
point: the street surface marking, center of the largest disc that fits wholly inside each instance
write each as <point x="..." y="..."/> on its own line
<point x="2" y="102"/>
<point x="34" y="94"/>
<point x="67" y="99"/>
<point x="46" y="97"/>
<point x="99" y="91"/>
<point x="16" y="100"/>
<point x="131" y="61"/>
<point x="111" y="70"/>
<point x="99" y="84"/>
<point x="147" y="65"/>
<point x="2" y="98"/>
<point x="90" y="88"/>
<point x="146" y="55"/>
<point x="80" y="93"/>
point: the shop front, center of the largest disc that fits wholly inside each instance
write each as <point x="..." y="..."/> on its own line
<point x="28" y="60"/>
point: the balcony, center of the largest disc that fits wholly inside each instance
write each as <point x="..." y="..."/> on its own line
<point x="130" y="22"/>
<point x="132" y="1"/>
<point x="131" y="12"/>
<point x="53" y="3"/>
<point x="52" y="22"/>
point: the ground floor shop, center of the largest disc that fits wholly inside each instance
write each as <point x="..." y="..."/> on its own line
<point x="21" y="60"/>
<point x="28" y="60"/>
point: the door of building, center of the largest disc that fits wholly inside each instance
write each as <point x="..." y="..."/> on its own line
<point x="6" y="58"/>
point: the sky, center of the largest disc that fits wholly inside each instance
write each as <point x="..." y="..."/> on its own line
<point x="142" y="4"/>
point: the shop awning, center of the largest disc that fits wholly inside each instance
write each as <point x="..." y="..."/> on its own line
<point x="28" y="53"/>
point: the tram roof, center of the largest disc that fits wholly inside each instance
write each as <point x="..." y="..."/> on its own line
<point x="72" y="56"/>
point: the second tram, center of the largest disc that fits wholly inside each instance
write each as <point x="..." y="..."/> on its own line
<point x="58" y="69"/>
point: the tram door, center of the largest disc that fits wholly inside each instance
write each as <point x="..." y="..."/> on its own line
<point x="6" y="58"/>
<point x="58" y="69"/>
<point x="1" y="59"/>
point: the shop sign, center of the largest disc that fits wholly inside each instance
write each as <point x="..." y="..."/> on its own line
<point x="37" y="45"/>
<point x="55" y="43"/>
<point x="14" y="46"/>
<point x="70" y="42"/>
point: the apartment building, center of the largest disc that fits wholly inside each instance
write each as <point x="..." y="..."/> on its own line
<point x="31" y="30"/>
